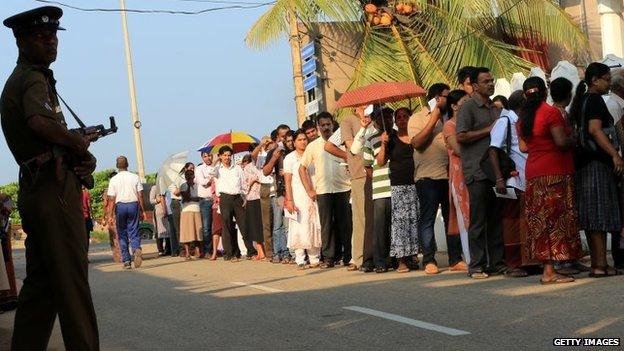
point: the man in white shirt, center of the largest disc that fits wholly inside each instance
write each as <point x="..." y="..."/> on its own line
<point x="125" y="191"/>
<point x="204" y="174"/>
<point x="331" y="189"/>
<point x="512" y="211"/>
<point x="232" y="197"/>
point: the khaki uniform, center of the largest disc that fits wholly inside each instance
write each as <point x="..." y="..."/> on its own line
<point x="51" y="210"/>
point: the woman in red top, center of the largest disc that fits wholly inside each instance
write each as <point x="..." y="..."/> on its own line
<point x="552" y="233"/>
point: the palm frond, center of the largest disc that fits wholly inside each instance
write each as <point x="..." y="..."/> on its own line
<point x="273" y="24"/>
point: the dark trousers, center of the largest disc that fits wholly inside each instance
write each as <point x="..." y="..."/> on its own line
<point x="163" y="245"/>
<point x="485" y="235"/>
<point x="57" y="280"/>
<point x="335" y="214"/>
<point x="434" y="194"/>
<point x="174" y="237"/>
<point x="232" y="208"/>
<point x="381" y="232"/>
<point x="616" y="252"/>
<point x="267" y="218"/>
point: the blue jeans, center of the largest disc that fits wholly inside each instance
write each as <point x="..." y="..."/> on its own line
<point x="127" y="215"/>
<point x="205" y="208"/>
<point x="280" y="234"/>
<point x="433" y="194"/>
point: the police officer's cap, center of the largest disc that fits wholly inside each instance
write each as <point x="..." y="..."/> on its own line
<point x="46" y="17"/>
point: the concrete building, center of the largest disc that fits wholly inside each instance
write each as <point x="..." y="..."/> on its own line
<point x="602" y="21"/>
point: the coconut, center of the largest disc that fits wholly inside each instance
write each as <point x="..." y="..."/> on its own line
<point x="399" y="8"/>
<point x="386" y="19"/>
<point x="376" y="20"/>
<point x="407" y="9"/>
<point x="370" y="8"/>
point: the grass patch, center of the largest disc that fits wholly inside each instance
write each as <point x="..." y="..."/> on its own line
<point x="99" y="237"/>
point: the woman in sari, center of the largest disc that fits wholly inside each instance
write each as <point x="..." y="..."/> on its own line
<point x="459" y="209"/>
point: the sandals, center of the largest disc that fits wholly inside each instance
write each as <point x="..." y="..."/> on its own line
<point x="478" y="275"/>
<point x="517" y="273"/>
<point x="352" y="267"/>
<point x="557" y="280"/>
<point x="568" y="271"/>
<point x="607" y="272"/>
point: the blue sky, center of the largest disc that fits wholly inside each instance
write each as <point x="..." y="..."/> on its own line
<point x="194" y="76"/>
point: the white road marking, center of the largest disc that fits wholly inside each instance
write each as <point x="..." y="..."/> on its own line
<point x="259" y="287"/>
<point x="413" y="322"/>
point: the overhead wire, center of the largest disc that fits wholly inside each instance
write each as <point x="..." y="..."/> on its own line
<point x="170" y="12"/>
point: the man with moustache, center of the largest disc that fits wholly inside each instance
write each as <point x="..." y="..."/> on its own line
<point x="331" y="189"/>
<point x="474" y="123"/>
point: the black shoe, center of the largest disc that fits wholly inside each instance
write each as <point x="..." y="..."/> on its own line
<point x="327" y="265"/>
<point x="367" y="269"/>
<point x="498" y="270"/>
<point x="381" y="269"/>
<point x="412" y="265"/>
<point x="127" y="265"/>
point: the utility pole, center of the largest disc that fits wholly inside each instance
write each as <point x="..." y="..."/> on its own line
<point x="136" y="123"/>
<point x="295" y="52"/>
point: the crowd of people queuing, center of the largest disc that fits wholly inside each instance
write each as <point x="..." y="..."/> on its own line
<point x="516" y="179"/>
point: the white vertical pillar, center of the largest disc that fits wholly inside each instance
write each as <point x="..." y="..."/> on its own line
<point x="611" y="27"/>
<point x="136" y="123"/>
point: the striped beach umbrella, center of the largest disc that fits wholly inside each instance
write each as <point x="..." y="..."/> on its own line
<point x="238" y="141"/>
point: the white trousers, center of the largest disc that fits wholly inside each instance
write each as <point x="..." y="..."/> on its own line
<point x="313" y="254"/>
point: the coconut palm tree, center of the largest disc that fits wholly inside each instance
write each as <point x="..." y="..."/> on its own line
<point x="440" y="36"/>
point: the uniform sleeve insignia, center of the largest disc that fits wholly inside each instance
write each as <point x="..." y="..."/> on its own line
<point x="47" y="106"/>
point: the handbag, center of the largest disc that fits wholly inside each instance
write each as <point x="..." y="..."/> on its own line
<point x="587" y="144"/>
<point x="506" y="164"/>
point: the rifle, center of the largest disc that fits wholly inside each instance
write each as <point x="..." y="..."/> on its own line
<point x="93" y="133"/>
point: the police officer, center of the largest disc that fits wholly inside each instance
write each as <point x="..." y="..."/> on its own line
<point x="50" y="197"/>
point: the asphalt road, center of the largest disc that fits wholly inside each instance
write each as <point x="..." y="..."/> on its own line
<point x="172" y="304"/>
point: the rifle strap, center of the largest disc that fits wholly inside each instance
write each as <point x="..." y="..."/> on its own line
<point x="78" y="120"/>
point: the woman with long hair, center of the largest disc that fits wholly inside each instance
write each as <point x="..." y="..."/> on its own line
<point x="598" y="166"/>
<point x="397" y="148"/>
<point x="459" y="205"/>
<point x="304" y="224"/>
<point x="551" y="233"/>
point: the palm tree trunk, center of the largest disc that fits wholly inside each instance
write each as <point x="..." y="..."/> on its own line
<point x="295" y="52"/>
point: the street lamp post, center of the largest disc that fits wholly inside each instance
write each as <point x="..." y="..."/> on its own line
<point x="136" y="123"/>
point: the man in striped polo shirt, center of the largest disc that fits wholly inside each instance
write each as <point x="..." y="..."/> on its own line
<point x="370" y="145"/>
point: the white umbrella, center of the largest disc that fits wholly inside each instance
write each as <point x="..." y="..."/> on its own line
<point x="613" y="61"/>
<point x="538" y="72"/>
<point x="502" y="87"/>
<point x="517" y="80"/>
<point x="568" y="71"/>
<point x="169" y="171"/>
